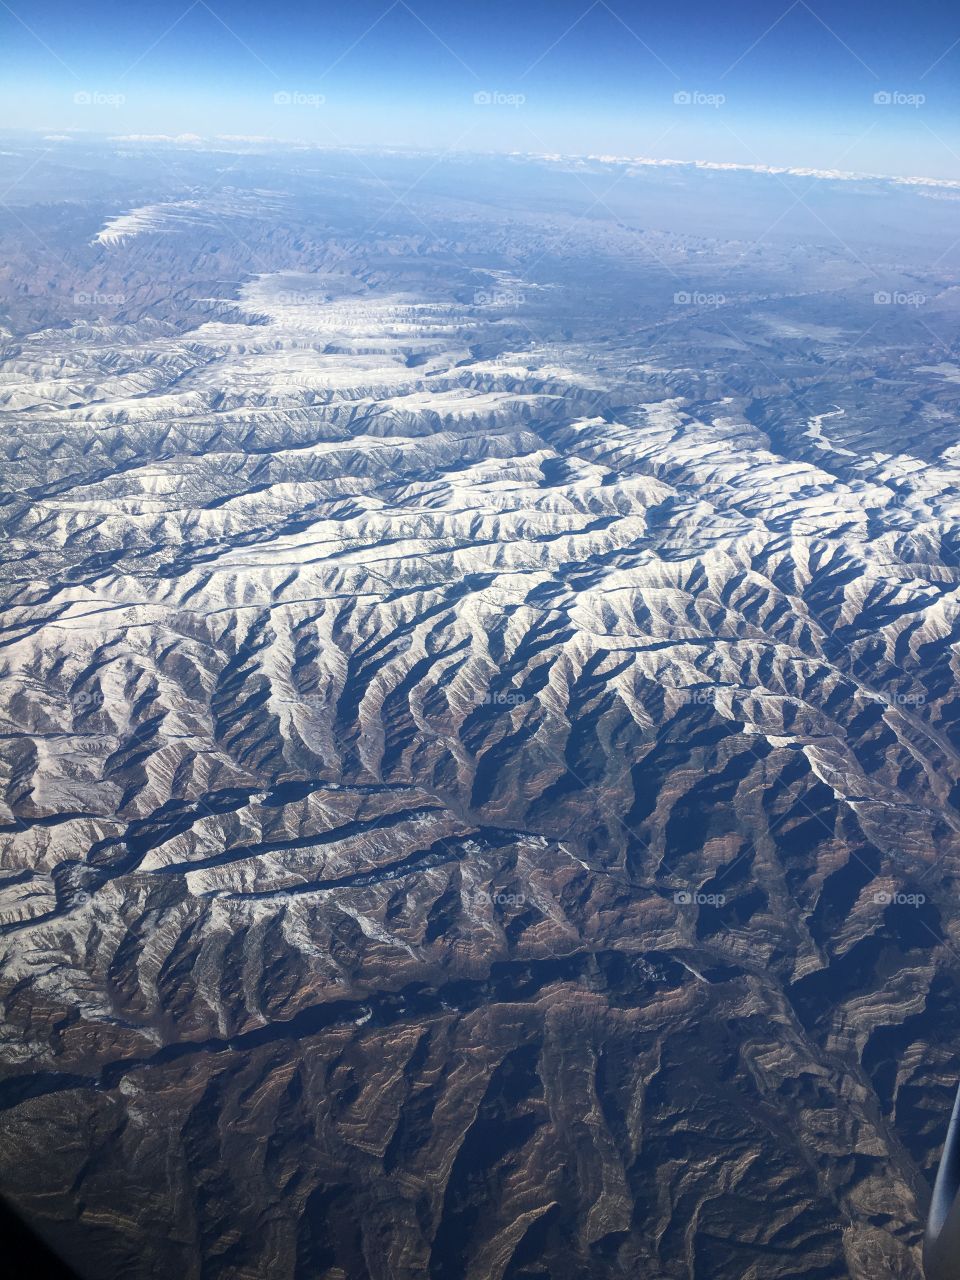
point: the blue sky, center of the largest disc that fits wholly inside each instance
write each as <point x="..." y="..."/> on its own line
<point x="749" y="82"/>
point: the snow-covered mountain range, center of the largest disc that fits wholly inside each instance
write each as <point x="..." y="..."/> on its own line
<point x="479" y="721"/>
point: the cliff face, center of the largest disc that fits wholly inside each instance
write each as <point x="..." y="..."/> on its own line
<point x="480" y="750"/>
